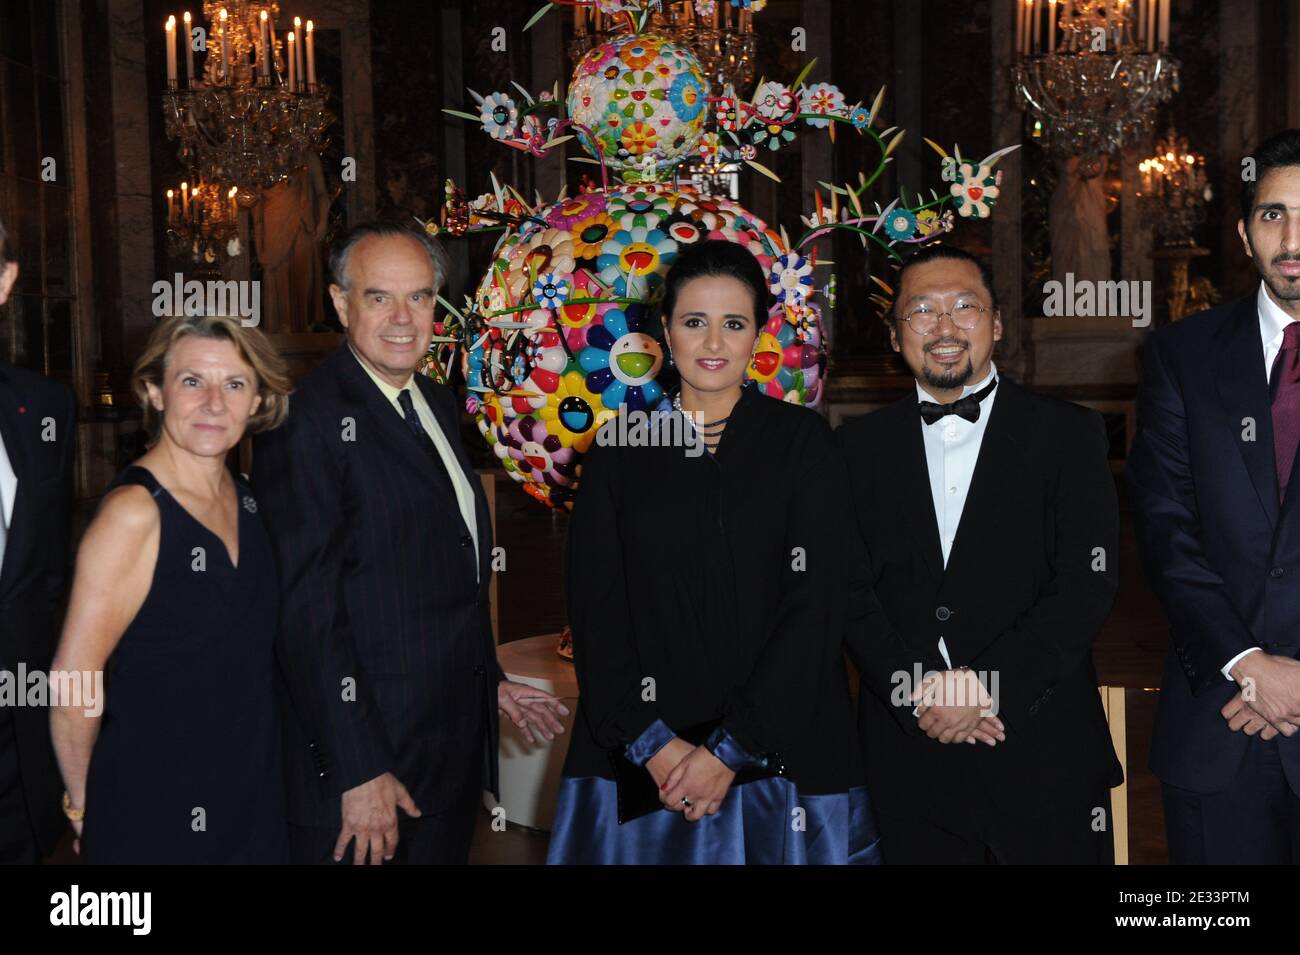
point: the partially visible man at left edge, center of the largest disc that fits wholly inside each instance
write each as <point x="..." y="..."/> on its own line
<point x="37" y="435"/>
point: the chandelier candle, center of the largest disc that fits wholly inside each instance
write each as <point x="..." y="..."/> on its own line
<point x="293" y="65"/>
<point x="297" y="52"/>
<point x="225" y="48"/>
<point x="264" y="63"/>
<point x="189" y="51"/>
<point x="311" y="57"/>
<point x="170" y="28"/>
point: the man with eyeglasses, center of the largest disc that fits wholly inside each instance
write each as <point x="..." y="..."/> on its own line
<point x="988" y="540"/>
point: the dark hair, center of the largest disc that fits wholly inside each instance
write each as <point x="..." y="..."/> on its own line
<point x="343" y="251"/>
<point x="934" y="253"/>
<point x="4" y="236"/>
<point x="1282" y="149"/>
<point x="716" y="257"/>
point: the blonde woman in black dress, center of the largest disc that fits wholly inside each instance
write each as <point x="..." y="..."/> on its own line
<point x="176" y="596"/>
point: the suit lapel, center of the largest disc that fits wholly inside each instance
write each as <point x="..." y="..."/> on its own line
<point x="999" y="449"/>
<point x="393" y="430"/>
<point x="15" y="441"/>
<point x="1243" y="389"/>
<point x="913" y="482"/>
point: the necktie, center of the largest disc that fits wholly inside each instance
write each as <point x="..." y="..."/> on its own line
<point x="417" y="431"/>
<point x="968" y="407"/>
<point x="1284" y="384"/>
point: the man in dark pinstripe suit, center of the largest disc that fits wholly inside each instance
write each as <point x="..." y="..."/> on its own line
<point x="383" y="539"/>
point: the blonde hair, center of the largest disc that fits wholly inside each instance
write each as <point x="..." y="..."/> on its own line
<point x="272" y="377"/>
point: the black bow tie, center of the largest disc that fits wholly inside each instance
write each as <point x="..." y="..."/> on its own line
<point x="968" y="407"/>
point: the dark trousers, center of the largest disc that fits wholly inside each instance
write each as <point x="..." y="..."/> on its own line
<point x="1255" y="820"/>
<point x="1074" y="831"/>
<point x="432" y="839"/>
<point x="17" y="840"/>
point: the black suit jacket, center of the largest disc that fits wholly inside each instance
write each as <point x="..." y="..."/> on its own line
<point x="39" y="427"/>
<point x="385" y="635"/>
<point x="1019" y="596"/>
<point x="1219" y="549"/>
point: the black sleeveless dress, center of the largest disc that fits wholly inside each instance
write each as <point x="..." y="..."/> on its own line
<point x="187" y="765"/>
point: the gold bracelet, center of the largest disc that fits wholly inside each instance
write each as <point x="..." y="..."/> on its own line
<point x="76" y="815"/>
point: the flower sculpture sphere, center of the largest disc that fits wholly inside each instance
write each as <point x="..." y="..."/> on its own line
<point x="641" y="96"/>
<point x="567" y="329"/>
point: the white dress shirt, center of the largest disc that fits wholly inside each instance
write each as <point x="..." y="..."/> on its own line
<point x="8" y="492"/>
<point x="461" y="485"/>
<point x="1272" y="327"/>
<point x="952" y="446"/>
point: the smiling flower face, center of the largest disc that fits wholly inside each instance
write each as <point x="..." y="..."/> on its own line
<point x="636" y="258"/>
<point x="791" y="278"/>
<point x="644" y="206"/>
<point x="900" y="224"/>
<point x="574" y="413"/>
<point x="976" y="189"/>
<point x="621" y="361"/>
<point x="823" y="99"/>
<point x="499" y="116"/>
<point x="551" y="290"/>
<point x="639" y="138"/>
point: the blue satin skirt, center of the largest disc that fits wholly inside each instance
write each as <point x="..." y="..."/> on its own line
<point x="757" y="824"/>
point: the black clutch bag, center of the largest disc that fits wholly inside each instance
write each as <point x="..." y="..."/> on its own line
<point x="639" y="796"/>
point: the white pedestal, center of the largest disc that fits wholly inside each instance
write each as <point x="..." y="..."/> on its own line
<point x="530" y="773"/>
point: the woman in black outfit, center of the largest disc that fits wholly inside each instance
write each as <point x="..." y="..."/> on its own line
<point x="176" y="594"/>
<point x="706" y="599"/>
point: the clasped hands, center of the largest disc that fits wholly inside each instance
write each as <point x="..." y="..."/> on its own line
<point x="1268" y="702"/>
<point x="955" y="708"/>
<point x="691" y="779"/>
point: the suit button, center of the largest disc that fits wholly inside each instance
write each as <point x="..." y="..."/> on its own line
<point x="479" y="669"/>
<point x="465" y="540"/>
<point x="1276" y="572"/>
<point x="942" y="613"/>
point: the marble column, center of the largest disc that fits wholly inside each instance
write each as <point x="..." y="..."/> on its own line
<point x="818" y="156"/>
<point x="1238" y="134"/>
<point x="1007" y="126"/>
<point x="132" y="187"/>
<point x="352" y="19"/>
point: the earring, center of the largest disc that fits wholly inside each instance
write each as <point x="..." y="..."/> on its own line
<point x="668" y="351"/>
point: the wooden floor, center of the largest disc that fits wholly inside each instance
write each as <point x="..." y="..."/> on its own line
<point x="1129" y="653"/>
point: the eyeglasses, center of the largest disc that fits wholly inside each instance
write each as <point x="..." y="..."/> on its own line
<point x="965" y="314"/>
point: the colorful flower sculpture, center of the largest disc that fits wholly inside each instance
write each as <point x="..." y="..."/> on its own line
<point x="563" y="332"/>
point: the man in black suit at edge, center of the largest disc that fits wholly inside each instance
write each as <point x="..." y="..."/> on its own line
<point x="384" y="542"/>
<point x="37" y="442"/>
<point x="1212" y="478"/>
<point x="989" y="533"/>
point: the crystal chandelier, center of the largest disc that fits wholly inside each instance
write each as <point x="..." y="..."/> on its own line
<point x="720" y="36"/>
<point x="1174" y="189"/>
<point x="256" y="111"/>
<point x="203" y="223"/>
<point x="1092" y="72"/>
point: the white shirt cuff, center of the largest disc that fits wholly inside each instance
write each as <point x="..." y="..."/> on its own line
<point x="1227" y="670"/>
